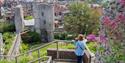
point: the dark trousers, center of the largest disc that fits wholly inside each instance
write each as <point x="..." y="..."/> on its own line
<point x="79" y="59"/>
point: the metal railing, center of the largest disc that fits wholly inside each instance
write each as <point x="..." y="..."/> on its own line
<point x="39" y="53"/>
<point x="36" y="50"/>
<point x="39" y="59"/>
<point x="14" y="50"/>
<point x="57" y="44"/>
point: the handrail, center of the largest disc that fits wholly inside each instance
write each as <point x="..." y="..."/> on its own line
<point x="9" y="53"/>
<point x="14" y="46"/>
<point x="37" y="48"/>
<point x="50" y="58"/>
<point x="47" y="45"/>
<point x="40" y="47"/>
<point x="6" y="56"/>
<point x="72" y="42"/>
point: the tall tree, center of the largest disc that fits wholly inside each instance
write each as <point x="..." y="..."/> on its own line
<point x="81" y="19"/>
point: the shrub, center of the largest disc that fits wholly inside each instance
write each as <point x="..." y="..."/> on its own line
<point x="25" y="59"/>
<point x="64" y="36"/>
<point x="8" y="38"/>
<point x="6" y="61"/>
<point x="24" y="47"/>
<point x="28" y="17"/>
<point x="31" y="37"/>
<point x="6" y="27"/>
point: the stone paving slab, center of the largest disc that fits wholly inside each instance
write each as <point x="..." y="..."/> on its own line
<point x="64" y="62"/>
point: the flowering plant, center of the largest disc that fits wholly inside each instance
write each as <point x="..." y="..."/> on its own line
<point x="91" y="37"/>
<point x="112" y="33"/>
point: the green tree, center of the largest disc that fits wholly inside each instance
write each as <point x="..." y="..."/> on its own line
<point x="94" y="1"/>
<point x="81" y="19"/>
<point x="6" y="27"/>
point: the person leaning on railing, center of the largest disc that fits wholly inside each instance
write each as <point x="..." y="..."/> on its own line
<point x="80" y="46"/>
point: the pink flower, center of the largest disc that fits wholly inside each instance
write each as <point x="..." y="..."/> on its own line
<point x="98" y="39"/>
<point x="106" y="21"/>
<point x="122" y="2"/>
<point x="113" y="25"/>
<point x="103" y="39"/>
<point x="120" y="18"/>
<point x="91" y="37"/>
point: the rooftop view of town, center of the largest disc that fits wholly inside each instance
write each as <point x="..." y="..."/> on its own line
<point x="62" y="31"/>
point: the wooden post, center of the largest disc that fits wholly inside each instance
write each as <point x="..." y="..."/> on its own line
<point x="16" y="60"/>
<point x="1" y="46"/>
<point x="57" y="50"/>
<point x="38" y="55"/>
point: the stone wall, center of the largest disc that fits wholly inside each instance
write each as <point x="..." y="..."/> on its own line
<point x="67" y="54"/>
<point x="44" y="20"/>
<point x="19" y="19"/>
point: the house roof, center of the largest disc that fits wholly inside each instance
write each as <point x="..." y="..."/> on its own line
<point x="1" y="2"/>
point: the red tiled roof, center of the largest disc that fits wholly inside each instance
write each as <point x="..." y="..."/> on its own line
<point x="59" y="8"/>
<point x="1" y="2"/>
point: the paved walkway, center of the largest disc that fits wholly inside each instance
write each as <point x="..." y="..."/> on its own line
<point x="64" y="62"/>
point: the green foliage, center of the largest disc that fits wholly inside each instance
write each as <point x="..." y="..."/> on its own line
<point x="92" y="46"/>
<point x="6" y="27"/>
<point x="31" y="37"/>
<point x="30" y="40"/>
<point x="95" y="1"/>
<point x="8" y="38"/>
<point x="60" y="36"/>
<point x="24" y="47"/>
<point x="6" y="61"/>
<point x="28" y="17"/>
<point x="81" y="19"/>
<point x="22" y="59"/>
<point x="64" y="36"/>
<point x="25" y="59"/>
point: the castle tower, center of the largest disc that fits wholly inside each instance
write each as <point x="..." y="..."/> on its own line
<point x="44" y="20"/>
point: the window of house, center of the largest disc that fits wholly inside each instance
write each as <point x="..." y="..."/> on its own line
<point x="44" y="21"/>
<point x="55" y="14"/>
<point x="42" y="13"/>
<point x="60" y="13"/>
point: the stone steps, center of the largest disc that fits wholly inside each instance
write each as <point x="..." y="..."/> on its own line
<point x="62" y="62"/>
<point x="65" y="62"/>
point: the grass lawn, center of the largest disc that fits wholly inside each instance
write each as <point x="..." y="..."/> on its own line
<point x="8" y="38"/>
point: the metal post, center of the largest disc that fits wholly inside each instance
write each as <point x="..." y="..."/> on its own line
<point x="1" y="45"/>
<point x="38" y="55"/>
<point x="57" y="50"/>
<point x="16" y="60"/>
<point x="90" y="59"/>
